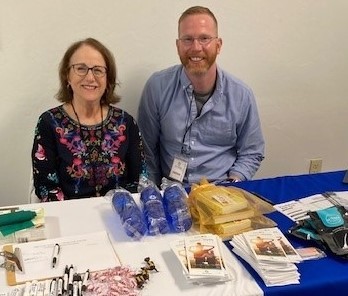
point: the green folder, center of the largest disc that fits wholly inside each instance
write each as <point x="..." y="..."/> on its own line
<point x="12" y="222"/>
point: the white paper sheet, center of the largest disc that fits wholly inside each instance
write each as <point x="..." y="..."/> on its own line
<point x="92" y="251"/>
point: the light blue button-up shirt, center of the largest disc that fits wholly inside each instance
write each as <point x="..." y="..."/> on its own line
<point x="225" y="139"/>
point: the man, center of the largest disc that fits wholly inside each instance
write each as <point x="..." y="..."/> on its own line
<point x="197" y="121"/>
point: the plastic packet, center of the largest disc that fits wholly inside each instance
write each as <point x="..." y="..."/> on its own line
<point x="227" y="211"/>
<point x="153" y="208"/>
<point x="176" y="206"/>
<point x="310" y="253"/>
<point x="212" y="204"/>
<point x="132" y="218"/>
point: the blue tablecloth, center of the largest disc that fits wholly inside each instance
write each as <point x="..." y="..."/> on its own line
<point x="326" y="276"/>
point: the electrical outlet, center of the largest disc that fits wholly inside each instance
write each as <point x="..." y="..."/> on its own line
<point x="315" y="165"/>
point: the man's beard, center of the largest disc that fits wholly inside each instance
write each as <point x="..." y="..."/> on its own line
<point x="200" y="68"/>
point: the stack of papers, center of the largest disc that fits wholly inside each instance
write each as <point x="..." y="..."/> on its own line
<point x="270" y="254"/>
<point x="201" y="258"/>
<point x="297" y="210"/>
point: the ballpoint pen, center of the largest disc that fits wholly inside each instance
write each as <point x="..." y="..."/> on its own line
<point x="56" y="252"/>
<point x="33" y="288"/>
<point x="60" y="287"/>
<point x="66" y="279"/>
<point x="26" y="289"/>
<point x="70" y="279"/>
<point x="16" y="292"/>
<point x="84" y="281"/>
<point x="40" y="289"/>
<point x="79" y="282"/>
<point x="75" y="285"/>
<point x="53" y="287"/>
<point x="47" y="288"/>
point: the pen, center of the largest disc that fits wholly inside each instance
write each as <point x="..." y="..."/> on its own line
<point x="75" y="285"/>
<point x="53" y="288"/>
<point x="65" y="279"/>
<point x="56" y="251"/>
<point x="16" y="292"/>
<point x="60" y="287"/>
<point x="47" y="288"/>
<point x="27" y="289"/>
<point x="70" y="280"/>
<point x="33" y="288"/>
<point x="79" y="281"/>
<point x="40" y="289"/>
<point x="84" y="281"/>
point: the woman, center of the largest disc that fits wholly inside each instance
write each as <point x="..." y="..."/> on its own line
<point x="86" y="147"/>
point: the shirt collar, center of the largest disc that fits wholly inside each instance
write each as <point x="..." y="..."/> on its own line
<point x="186" y="83"/>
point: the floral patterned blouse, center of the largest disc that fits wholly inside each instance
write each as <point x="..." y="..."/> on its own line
<point x="73" y="161"/>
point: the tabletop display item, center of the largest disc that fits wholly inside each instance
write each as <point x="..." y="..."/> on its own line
<point x="227" y="210"/>
<point x="270" y="254"/>
<point x="201" y="258"/>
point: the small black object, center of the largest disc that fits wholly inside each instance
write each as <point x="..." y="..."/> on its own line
<point x="150" y="264"/>
<point x="142" y="277"/>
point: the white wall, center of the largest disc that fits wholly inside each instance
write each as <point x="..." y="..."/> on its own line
<point x="293" y="53"/>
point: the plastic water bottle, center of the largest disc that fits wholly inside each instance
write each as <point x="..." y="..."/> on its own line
<point x="132" y="218"/>
<point x="154" y="213"/>
<point x="177" y="210"/>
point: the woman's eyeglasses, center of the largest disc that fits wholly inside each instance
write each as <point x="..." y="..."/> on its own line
<point x="82" y="70"/>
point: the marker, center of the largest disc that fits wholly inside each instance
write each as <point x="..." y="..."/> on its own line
<point x="16" y="292"/>
<point x="40" y="289"/>
<point x="76" y="285"/>
<point x="53" y="288"/>
<point x="70" y="280"/>
<point x="27" y="289"/>
<point x="66" y="279"/>
<point x="56" y="251"/>
<point x="60" y="287"/>
<point x="47" y="288"/>
<point x="84" y="281"/>
<point x="79" y="282"/>
<point x="33" y="288"/>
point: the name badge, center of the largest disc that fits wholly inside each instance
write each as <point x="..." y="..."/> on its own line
<point x="178" y="169"/>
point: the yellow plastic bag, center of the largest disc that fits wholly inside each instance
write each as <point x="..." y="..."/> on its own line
<point x="227" y="210"/>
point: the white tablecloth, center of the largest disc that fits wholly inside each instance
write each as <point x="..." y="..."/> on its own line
<point x="96" y="214"/>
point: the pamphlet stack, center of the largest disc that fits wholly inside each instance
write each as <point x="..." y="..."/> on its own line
<point x="201" y="258"/>
<point x="270" y="254"/>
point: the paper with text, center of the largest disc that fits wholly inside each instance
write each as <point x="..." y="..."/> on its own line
<point x="91" y="251"/>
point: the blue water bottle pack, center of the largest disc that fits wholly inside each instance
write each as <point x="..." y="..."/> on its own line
<point x="152" y="204"/>
<point x="132" y="218"/>
<point x="176" y="207"/>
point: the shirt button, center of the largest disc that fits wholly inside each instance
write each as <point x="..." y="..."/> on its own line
<point x="192" y="158"/>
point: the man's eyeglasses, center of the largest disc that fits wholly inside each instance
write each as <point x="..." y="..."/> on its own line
<point x="202" y="40"/>
<point x="82" y="70"/>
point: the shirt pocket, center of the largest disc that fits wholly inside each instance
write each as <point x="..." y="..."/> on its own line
<point x="218" y="134"/>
